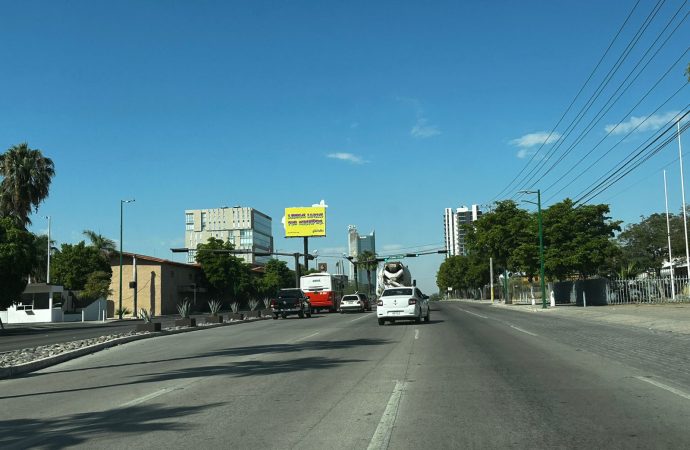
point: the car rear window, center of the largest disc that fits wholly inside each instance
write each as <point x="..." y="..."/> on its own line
<point x="350" y="297"/>
<point x="396" y="291"/>
<point x="293" y="293"/>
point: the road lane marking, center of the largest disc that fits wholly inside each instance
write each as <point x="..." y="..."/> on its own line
<point x="361" y="317"/>
<point x="416" y="333"/>
<point x="148" y="397"/>
<point x="382" y="435"/>
<point x="474" y="314"/>
<point x="524" y="331"/>
<point x="665" y="387"/>
<point x="302" y="338"/>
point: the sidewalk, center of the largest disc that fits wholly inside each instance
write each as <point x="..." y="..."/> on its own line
<point x="669" y="317"/>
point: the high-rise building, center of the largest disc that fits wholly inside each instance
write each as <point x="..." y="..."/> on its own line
<point x="453" y="221"/>
<point x="245" y="228"/>
<point x="356" y="245"/>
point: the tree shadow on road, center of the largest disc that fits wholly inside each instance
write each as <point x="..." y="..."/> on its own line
<point x="76" y="429"/>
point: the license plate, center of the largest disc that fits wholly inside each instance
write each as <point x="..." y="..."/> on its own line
<point x="395" y="313"/>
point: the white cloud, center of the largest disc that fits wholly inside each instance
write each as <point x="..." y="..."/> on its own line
<point x="532" y="139"/>
<point x="643" y="123"/>
<point x="349" y="157"/>
<point x="423" y="130"/>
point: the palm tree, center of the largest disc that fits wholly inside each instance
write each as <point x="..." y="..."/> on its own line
<point x="26" y="178"/>
<point x="367" y="261"/>
<point x="102" y="243"/>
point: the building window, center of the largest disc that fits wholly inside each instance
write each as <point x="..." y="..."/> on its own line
<point x="203" y="221"/>
<point x="189" y="221"/>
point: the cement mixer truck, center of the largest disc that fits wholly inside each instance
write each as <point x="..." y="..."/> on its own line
<point x="392" y="274"/>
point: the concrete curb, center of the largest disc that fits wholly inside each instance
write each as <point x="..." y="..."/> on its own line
<point x="11" y="371"/>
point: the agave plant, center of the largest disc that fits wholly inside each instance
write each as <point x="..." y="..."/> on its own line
<point x="235" y="306"/>
<point x="253" y="303"/>
<point x="145" y="315"/>
<point x="267" y="302"/>
<point x="124" y="311"/>
<point x="184" y="308"/>
<point x="214" y="306"/>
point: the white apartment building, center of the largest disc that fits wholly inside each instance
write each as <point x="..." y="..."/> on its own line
<point x="453" y="229"/>
<point x="245" y="228"/>
<point x="357" y="244"/>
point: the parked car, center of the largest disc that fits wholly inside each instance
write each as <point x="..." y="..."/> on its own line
<point x="403" y="303"/>
<point x="291" y="301"/>
<point x="355" y="302"/>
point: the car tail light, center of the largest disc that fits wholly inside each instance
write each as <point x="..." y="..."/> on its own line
<point x="379" y="303"/>
<point x="412" y="301"/>
<point x="273" y="303"/>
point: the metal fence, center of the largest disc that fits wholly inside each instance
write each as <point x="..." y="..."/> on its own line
<point x="647" y="290"/>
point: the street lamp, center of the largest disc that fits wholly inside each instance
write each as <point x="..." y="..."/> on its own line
<point x="48" y="268"/>
<point x="541" y="244"/>
<point x="122" y="202"/>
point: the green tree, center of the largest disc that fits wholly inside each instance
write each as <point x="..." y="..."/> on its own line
<point x="453" y="273"/>
<point x="72" y="265"/>
<point x="367" y="261"/>
<point x="17" y="256"/>
<point x="26" y="179"/>
<point x="227" y="274"/>
<point x="578" y="240"/>
<point x="276" y="276"/>
<point x="499" y="233"/>
<point x="645" y="245"/>
<point x="97" y="285"/>
<point x="102" y="243"/>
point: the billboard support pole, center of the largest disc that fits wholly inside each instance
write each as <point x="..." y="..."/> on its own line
<point x="306" y="253"/>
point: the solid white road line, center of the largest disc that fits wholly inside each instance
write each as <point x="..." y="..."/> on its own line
<point x="665" y="387"/>
<point x="382" y="435"/>
<point x="474" y="314"/>
<point x="524" y="331"/>
<point x="148" y="397"/>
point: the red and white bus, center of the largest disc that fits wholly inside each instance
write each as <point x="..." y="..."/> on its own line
<point x="323" y="289"/>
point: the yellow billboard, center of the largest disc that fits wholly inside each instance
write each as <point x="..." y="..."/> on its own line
<point x="305" y="222"/>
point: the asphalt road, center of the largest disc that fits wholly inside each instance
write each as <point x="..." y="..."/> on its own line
<point x="475" y="377"/>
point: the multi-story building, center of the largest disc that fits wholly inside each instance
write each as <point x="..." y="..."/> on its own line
<point x="356" y="245"/>
<point x="453" y="221"/>
<point x="245" y="228"/>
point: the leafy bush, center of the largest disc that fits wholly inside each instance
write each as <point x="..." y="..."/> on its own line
<point x="215" y="307"/>
<point x="124" y="311"/>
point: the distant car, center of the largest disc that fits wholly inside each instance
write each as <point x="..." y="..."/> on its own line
<point x="354" y="302"/>
<point x="403" y="303"/>
<point x="291" y="301"/>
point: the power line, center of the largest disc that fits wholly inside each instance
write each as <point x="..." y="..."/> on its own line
<point x="596" y="67"/>
<point x="601" y="112"/>
<point x="588" y="105"/>
<point x="633" y="164"/>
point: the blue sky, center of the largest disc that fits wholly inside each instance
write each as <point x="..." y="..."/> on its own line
<point x="389" y="111"/>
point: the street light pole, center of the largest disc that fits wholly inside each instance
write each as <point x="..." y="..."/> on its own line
<point x="122" y="202"/>
<point x="48" y="268"/>
<point x="541" y="245"/>
<point x="541" y="251"/>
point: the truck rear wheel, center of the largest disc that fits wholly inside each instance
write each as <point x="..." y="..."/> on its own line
<point x="382" y="322"/>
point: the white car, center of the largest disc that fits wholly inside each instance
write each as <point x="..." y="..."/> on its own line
<point x="402" y="303"/>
